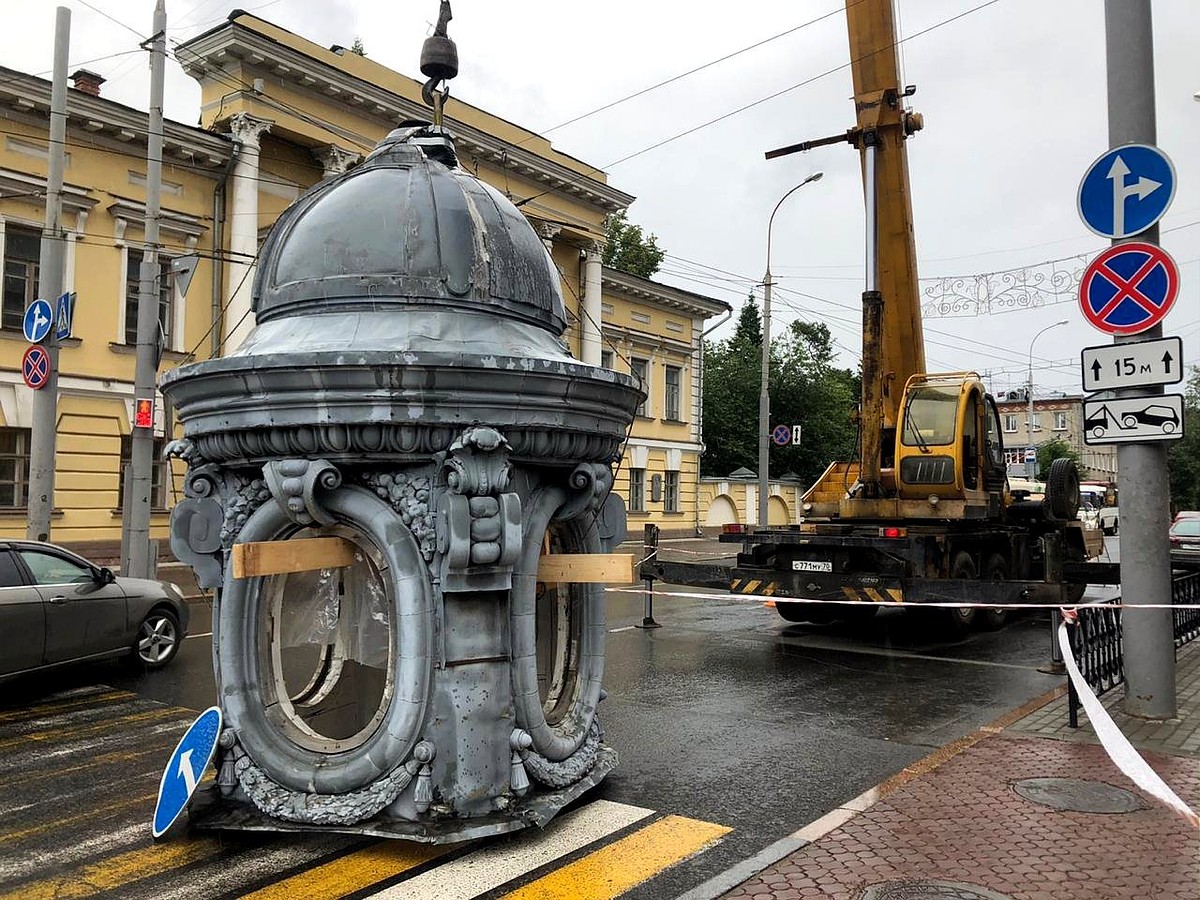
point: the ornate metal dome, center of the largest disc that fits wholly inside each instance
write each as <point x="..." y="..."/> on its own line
<point x="405" y="229"/>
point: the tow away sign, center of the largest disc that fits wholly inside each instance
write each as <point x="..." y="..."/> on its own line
<point x="1136" y="364"/>
<point x="1158" y="417"/>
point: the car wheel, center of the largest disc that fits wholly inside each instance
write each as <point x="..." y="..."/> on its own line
<point x="1168" y="427"/>
<point x="157" y="640"/>
<point x="1129" y="421"/>
<point x="1098" y="432"/>
<point x="1062" y="491"/>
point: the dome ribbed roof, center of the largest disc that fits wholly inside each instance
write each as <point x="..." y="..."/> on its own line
<point x="404" y="229"/>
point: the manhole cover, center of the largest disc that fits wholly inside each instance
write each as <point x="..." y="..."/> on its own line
<point x="929" y="890"/>
<point x="1078" y="795"/>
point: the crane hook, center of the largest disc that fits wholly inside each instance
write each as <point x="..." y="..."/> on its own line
<point x="439" y="63"/>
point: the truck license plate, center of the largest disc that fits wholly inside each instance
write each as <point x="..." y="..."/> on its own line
<point x="811" y="565"/>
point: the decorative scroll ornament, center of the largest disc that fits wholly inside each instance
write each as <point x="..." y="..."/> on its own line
<point x="196" y="520"/>
<point x="294" y="483"/>
<point x="998" y="292"/>
<point x="479" y="530"/>
<point x="589" y="483"/>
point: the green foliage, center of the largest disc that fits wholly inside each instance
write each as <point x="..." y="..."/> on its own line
<point x="1053" y="449"/>
<point x="629" y="249"/>
<point x="1183" y="458"/>
<point x="357" y="46"/>
<point x="806" y="388"/>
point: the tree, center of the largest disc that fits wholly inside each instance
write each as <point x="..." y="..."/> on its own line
<point x="629" y="249"/>
<point x="806" y="389"/>
<point x="1053" y="449"/>
<point x="1183" y="459"/>
<point x="357" y="46"/>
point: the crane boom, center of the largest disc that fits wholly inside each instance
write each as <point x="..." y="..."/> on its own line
<point x="895" y="349"/>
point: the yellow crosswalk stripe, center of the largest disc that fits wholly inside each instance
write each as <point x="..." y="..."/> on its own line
<point x="353" y="872"/>
<point x="116" y="725"/>
<point x="93" y="813"/>
<point x="116" y="871"/>
<point x="624" y="864"/>
<point x="51" y="709"/>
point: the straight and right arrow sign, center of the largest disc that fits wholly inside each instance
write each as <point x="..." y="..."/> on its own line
<point x="1134" y="364"/>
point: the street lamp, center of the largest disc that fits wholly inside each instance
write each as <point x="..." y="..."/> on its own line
<point x="764" y="397"/>
<point x="1029" y="414"/>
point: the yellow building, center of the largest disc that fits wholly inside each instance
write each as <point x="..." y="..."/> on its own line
<point x="279" y="114"/>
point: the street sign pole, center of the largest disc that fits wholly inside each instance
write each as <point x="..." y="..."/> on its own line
<point x="44" y="425"/>
<point x="141" y="463"/>
<point x="1149" y="655"/>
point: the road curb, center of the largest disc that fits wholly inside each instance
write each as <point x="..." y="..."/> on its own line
<point x="840" y="815"/>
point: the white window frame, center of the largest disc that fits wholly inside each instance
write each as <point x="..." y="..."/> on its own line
<point x="1010" y="423"/>
<point x="1060" y="416"/>
<point x="177" y="313"/>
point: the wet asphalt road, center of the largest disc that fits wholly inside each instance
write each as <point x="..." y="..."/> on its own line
<point x="728" y="714"/>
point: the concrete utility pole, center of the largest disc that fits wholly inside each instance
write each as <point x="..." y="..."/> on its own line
<point x="137" y="547"/>
<point x="1145" y="493"/>
<point x="1031" y="469"/>
<point x="50" y="285"/>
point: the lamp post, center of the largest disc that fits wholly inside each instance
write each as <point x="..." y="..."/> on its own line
<point x="764" y="397"/>
<point x="1029" y="415"/>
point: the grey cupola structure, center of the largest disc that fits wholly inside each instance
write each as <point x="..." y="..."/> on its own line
<point x="405" y="396"/>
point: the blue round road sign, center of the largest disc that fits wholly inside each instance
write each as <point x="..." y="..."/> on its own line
<point x="1129" y="288"/>
<point x="39" y="317"/>
<point x="1126" y="190"/>
<point x="35" y="367"/>
<point x="782" y="435"/>
<point x="185" y="768"/>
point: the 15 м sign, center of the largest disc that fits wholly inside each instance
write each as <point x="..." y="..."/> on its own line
<point x="1136" y="364"/>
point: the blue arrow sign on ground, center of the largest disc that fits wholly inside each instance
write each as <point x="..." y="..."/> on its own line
<point x="1126" y="190"/>
<point x="192" y="755"/>
<point x="782" y="435"/>
<point x="38" y="319"/>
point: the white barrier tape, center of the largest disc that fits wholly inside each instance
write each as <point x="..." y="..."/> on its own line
<point x="1115" y="744"/>
<point x="899" y="604"/>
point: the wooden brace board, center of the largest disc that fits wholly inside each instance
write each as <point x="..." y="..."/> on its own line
<point x="279" y="557"/>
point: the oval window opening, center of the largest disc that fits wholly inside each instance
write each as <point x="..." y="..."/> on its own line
<point x="558" y="626"/>
<point x="327" y="657"/>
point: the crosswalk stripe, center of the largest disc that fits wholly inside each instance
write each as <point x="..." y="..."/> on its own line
<point x="93" y="813"/>
<point x="116" y="871"/>
<point x="45" y="709"/>
<point x="624" y="864"/>
<point x="105" y="759"/>
<point x="118" y="724"/>
<point x="484" y="870"/>
<point x="353" y="872"/>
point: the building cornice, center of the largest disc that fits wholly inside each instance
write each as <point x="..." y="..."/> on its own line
<point x="99" y="117"/>
<point x="206" y="56"/>
<point x="32" y="189"/>
<point x="633" y="287"/>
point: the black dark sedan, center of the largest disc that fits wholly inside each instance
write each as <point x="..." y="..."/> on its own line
<point x="57" y="608"/>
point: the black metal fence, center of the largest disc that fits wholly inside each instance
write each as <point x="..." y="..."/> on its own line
<point x="1096" y="638"/>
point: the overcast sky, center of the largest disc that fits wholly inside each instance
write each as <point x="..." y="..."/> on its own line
<point x="1013" y="96"/>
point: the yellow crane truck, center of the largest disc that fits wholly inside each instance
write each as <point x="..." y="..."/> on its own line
<point x="925" y="513"/>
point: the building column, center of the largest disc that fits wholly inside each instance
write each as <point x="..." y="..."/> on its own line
<point x="548" y="231"/>
<point x="335" y="160"/>
<point x="237" y="320"/>
<point x="591" y="312"/>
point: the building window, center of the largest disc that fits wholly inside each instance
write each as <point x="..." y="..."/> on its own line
<point x="22" y="247"/>
<point x="671" y="493"/>
<point x="640" y="370"/>
<point x="1035" y="424"/>
<point x="1010" y="422"/>
<point x="1060" y="421"/>
<point x="606" y="359"/>
<point x="158" y="473"/>
<point x="166" y="296"/>
<point x="673" y="377"/>
<point x="14" y="467"/>
<point x="637" y="490"/>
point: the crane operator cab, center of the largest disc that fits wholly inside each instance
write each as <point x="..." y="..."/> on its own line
<point x="948" y="443"/>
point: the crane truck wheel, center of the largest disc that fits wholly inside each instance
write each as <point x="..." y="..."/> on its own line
<point x="1062" y="491"/>
<point x="957" y="621"/>
<point x="994" y="569"/>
